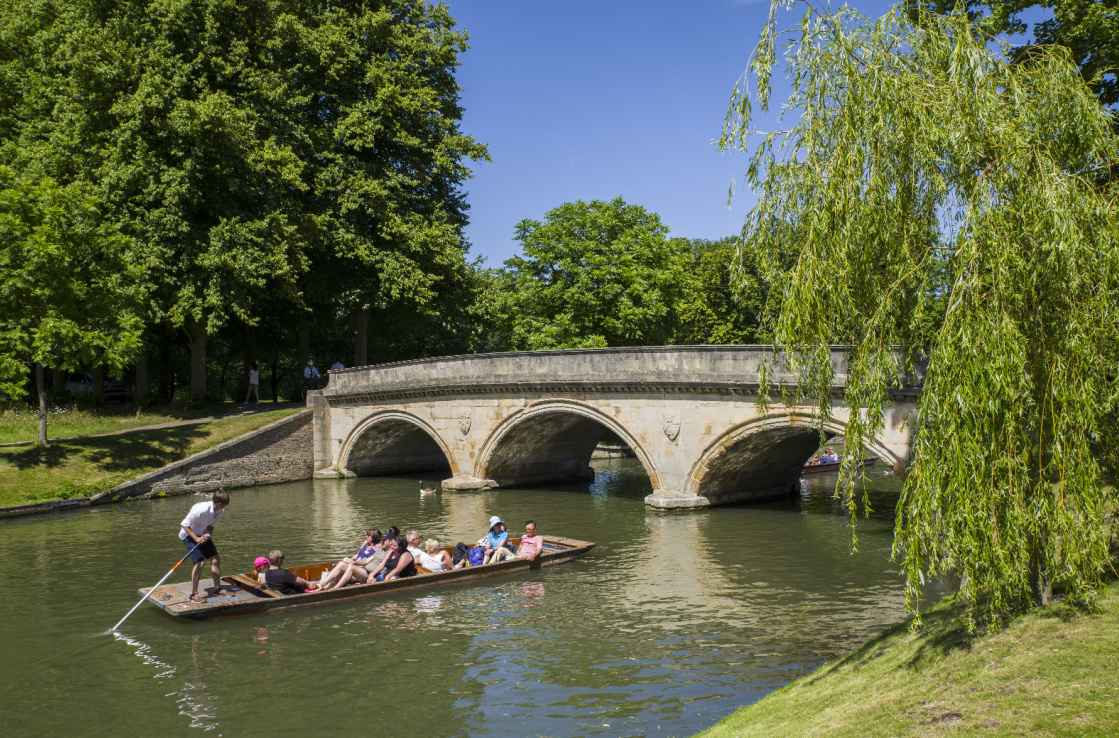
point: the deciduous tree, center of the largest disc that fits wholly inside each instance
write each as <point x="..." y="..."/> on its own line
<point x="251" y="149"/>
<point x="911" y="145"/>
<point x="69" y="293"/>
<point x="595" y="274"/>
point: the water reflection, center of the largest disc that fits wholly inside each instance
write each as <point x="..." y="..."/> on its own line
<point x="674" y="620"/>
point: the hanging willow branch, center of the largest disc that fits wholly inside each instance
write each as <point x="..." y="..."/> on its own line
<point x="933" y="194"/>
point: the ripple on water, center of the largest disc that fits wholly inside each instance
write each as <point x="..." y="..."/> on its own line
<point x="673" y="621"/>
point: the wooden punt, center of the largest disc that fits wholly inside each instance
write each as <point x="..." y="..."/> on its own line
<point x="244" y="596"/>
<point x="834" y="466"/>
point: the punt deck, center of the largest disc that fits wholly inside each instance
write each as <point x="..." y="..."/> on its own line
<point x="245" y="596"/>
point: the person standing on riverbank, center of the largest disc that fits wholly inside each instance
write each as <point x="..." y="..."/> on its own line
<point x="198" y="528"/>
<point x="254" y="384"/>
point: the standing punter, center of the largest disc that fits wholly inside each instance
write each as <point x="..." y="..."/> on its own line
<point x="198" y="527"/>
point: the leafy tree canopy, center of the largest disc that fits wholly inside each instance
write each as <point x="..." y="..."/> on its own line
<point x="69" y="292"/>
<point x="250" y="147"/>
<point x="918" y="145"/>
<point x="595" y="274"/>
<point x="726" y="298"/>
<point x="1088" y="28"/>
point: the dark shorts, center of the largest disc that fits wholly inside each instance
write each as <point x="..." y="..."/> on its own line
<point x="206" y="551"/>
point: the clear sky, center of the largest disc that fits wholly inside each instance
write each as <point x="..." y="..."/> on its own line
<point x="583" y="100"/>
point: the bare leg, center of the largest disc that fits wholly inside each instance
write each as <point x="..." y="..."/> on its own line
<point x="215" y="569"/>
<point x="344" y="572"/>
<point x="195" y="575"/>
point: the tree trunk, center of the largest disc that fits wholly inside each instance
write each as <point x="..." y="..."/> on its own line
<point x="41" y="386"/>
<point x="143" y="377"/>
<point x="166" y="381"/>
<point x="361" y="337"/>
<point x="250" y="346"/>
<point x="302" y="349"/>
<point x="99" y="384"/>
<point x="198" y="358"/>
<point x="57" y="382"/>
<point x="1041" y="581"/>
<point x="224" y="371"/>
<point x="275" y="383"/>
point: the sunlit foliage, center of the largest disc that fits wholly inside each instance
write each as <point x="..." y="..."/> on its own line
<point x="915" y="152"/>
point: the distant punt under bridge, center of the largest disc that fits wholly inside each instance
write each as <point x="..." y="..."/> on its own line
<point x="690" y="413"/>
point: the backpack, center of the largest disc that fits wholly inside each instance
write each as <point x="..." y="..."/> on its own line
<point x="475" y="556"/>
<point x="460" y="552"/>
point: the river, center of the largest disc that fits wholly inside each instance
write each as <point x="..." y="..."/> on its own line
<point x="673" y="621"/>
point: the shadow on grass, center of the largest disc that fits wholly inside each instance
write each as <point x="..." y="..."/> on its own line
<point x="944" y="630"/>
<point x="113" y="454"/>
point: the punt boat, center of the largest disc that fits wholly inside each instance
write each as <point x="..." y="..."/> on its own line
<point x="834" y="466"/>
<point x="245" y="596"/>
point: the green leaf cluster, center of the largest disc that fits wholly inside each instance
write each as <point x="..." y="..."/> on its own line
<point x="927" y="172"/>
<point x="263" y="156"/>
<point x="1089" y="29"/>
<point x="69" y="290"/>
<point x="595" y="274"/>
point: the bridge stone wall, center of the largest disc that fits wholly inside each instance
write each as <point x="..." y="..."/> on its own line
<point x="691" y="415"/>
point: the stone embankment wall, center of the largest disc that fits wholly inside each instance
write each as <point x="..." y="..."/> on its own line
<point x="278" y="452"/>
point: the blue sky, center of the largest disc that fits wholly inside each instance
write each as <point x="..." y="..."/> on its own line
<point x="590" y="100"/>
<point x="583" y="100"/>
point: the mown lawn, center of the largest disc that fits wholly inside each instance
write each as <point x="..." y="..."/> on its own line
<point x="86" y="466"/>
<point x="21" y="423"/>
<point x="1052" y="672"/>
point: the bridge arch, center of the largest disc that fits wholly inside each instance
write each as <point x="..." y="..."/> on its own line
<point x="552" y="441"/>
<point x="394" y="442"/>
<point x="763" y="457"/>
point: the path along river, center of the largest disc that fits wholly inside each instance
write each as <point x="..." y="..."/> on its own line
<point x="673" y="621"/>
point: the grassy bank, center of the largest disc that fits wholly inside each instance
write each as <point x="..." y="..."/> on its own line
<point x="86" y="466"/>
<point x="21" y="423"/>
<point x="1054" y="672"/>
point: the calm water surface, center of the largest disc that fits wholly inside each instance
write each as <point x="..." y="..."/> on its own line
<point x="672" y="622"/>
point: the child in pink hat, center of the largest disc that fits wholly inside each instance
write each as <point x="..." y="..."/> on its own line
<point x="261" y="566"/>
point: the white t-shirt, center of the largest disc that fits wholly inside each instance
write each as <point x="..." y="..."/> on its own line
<point x="200" y="517"/>
<point x="415" y="552"/>
<point x="254" y="376"/>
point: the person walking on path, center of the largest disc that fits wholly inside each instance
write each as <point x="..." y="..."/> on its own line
<point x="198" y="528"/>
<point x="254" y="384"/>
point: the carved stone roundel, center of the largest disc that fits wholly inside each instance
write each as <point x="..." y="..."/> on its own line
<point x="672" y="425"/>
<point x="464" y="423"/>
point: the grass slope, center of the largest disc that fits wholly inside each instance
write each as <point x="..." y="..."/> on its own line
<point x="21" y="423"/>
<point x="86" y="466"/>
<point x="1051" y="672"/>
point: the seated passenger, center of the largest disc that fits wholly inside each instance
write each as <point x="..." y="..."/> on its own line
<point x="282" y="580"/>
<point x="413" y="539"/>
<point x="531" y="544"/>
<point x="398" y="564"/>
<point x="496" y="539"/>
<point x="349" y="569"/>
<point x="261" y="566"/>
<point x="829" y="457"/>
<point x="433" y="559"/>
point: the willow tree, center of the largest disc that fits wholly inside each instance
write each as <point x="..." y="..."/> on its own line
<point x="919" y="169"/>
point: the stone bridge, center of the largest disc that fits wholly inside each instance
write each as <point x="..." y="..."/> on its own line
<point x="690" y="413"/>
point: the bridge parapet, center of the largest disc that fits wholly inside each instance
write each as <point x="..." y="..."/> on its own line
<point x="667" y="368"/>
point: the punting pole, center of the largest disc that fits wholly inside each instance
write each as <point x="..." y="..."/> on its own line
<point x="161" y="581"/>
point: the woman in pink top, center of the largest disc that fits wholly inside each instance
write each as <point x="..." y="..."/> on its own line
<point x="531" y="544"/>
